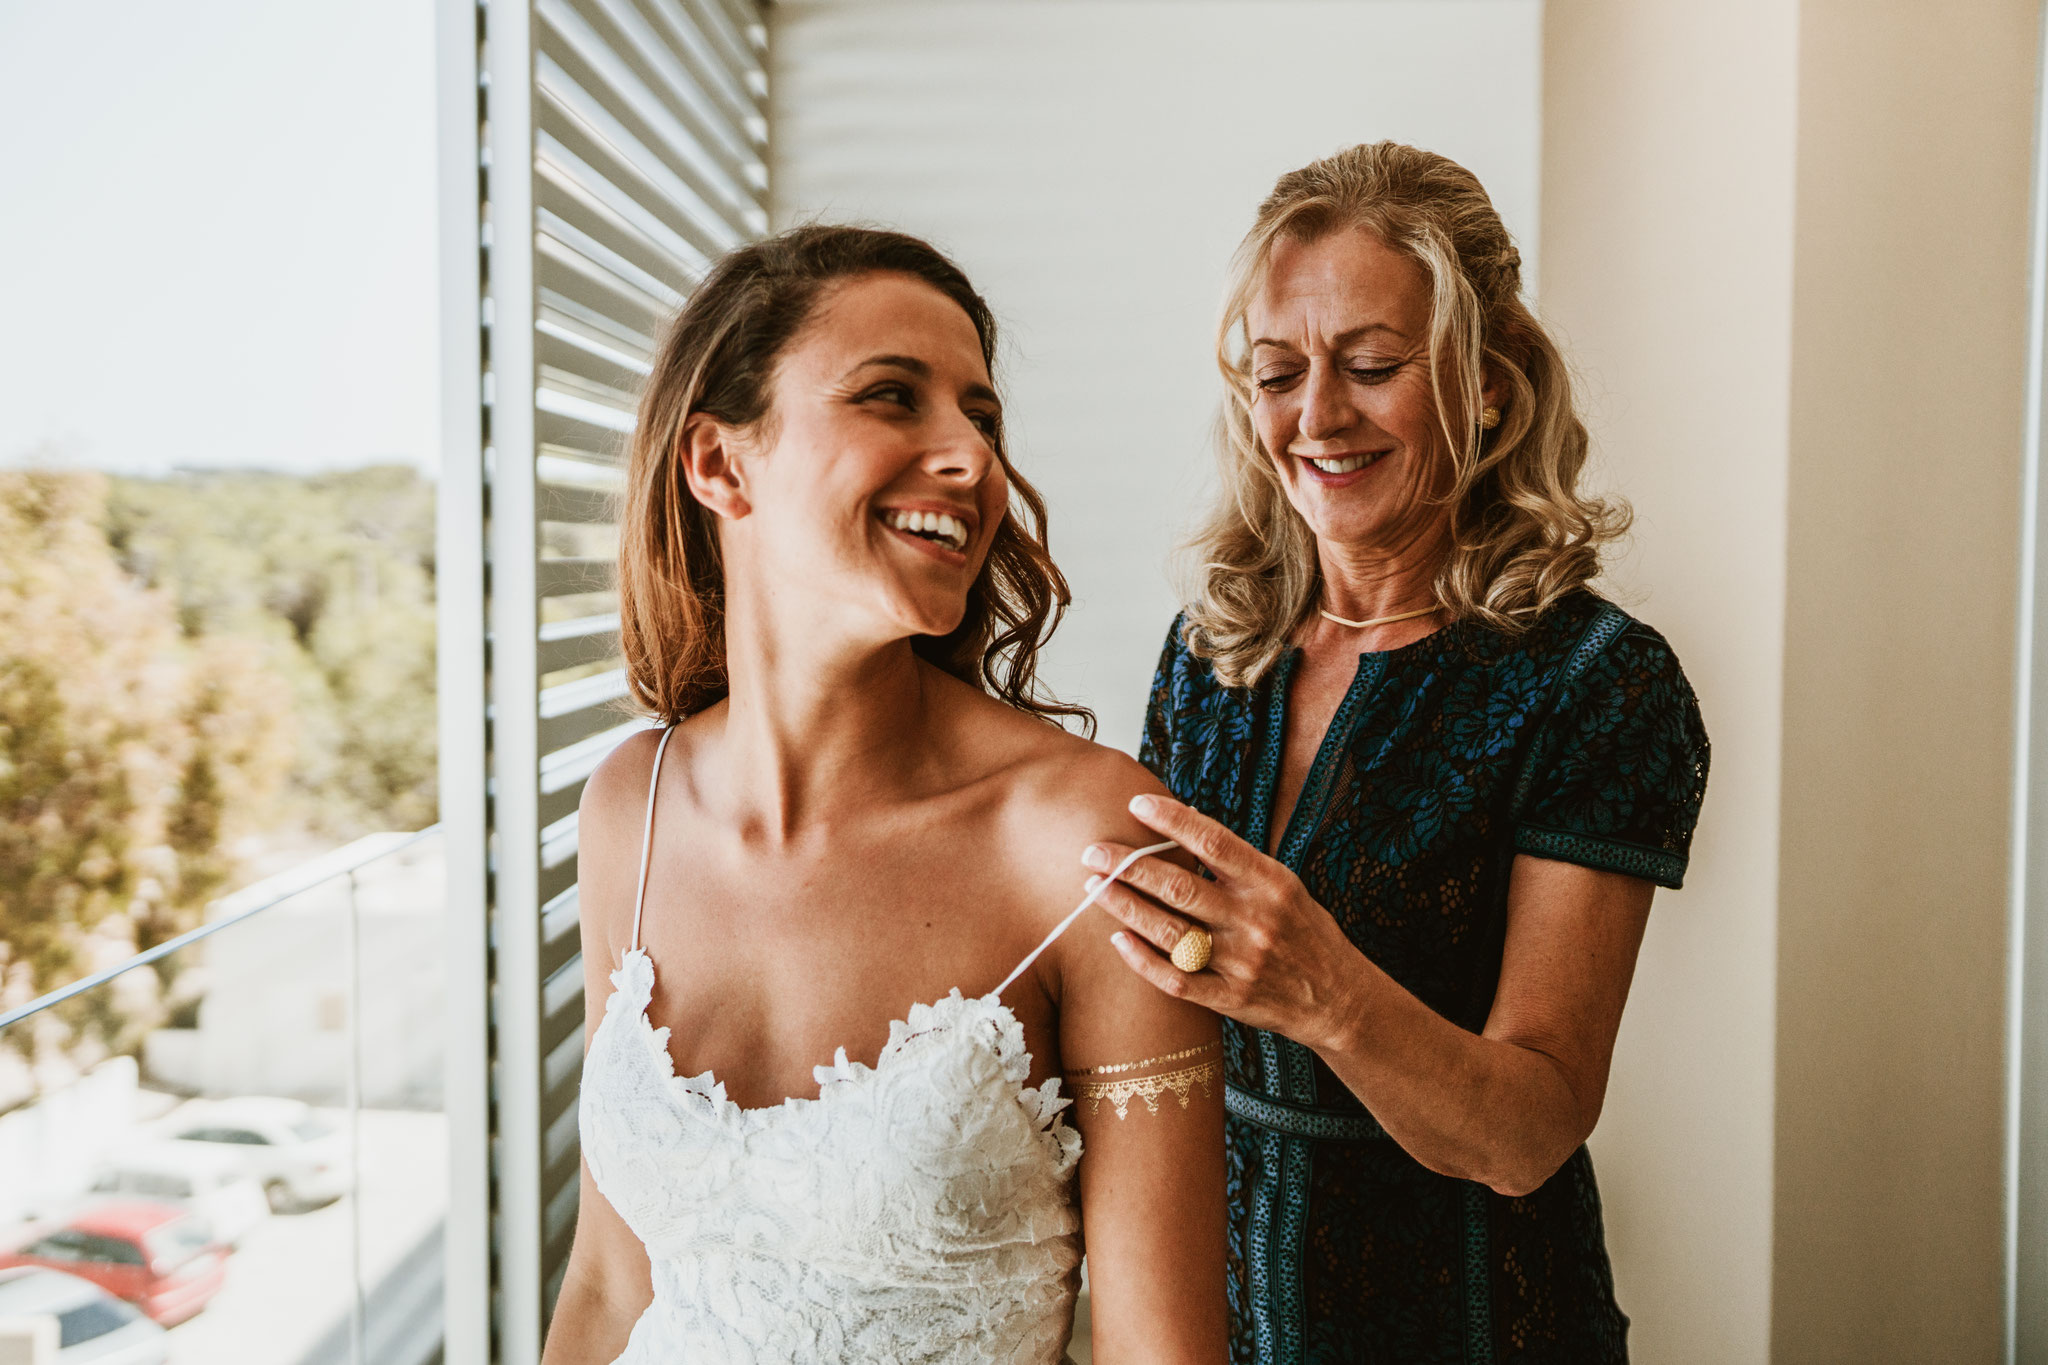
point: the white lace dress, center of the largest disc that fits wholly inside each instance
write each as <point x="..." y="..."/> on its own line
<point x="918" y="1212"/>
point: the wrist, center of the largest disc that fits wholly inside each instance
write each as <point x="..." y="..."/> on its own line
<point x="1342" y="1007"/>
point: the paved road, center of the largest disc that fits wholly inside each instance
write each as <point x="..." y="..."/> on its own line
<point x="291" y="1280"/>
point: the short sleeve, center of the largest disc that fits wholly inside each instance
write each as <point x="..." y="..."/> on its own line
<point x="1157" y="742"/>
<point x="1621" y="768"/>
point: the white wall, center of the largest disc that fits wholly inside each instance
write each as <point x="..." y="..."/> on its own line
<point x="1786" y="241"/>
<point x="50" y="1150"/>
<point x="1091" y="164"/>
<point x="1667" y="211"/>
<point x="275" y="1016"/>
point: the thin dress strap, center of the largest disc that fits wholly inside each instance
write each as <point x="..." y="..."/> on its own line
<point x="1093" y="896"/>
<point x="647" y="835"/>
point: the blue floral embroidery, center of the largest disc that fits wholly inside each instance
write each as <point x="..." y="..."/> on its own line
<point x="1578" y="740"/>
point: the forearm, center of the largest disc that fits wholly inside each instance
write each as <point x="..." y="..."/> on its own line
<point x="1505" y="1107"/>
<point x="589" y="1327"/>
<point x="1491" y="1110"/>
<point x="1152" y="1203"/>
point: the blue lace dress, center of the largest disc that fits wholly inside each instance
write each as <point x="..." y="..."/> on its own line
<point x="1577" y="740"/>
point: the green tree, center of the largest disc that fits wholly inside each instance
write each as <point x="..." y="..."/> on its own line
<point x="131" y="755"/>
<point x="332" y="575"/>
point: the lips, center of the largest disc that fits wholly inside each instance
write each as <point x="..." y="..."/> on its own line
<point x="947" y="529"/>
<point x="1345" y="464"/>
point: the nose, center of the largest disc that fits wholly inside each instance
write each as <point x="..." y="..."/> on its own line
<point x="960" y="454"/>
<point x="1326" y="410"/>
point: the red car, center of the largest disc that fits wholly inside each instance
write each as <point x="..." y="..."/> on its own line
<point x="159" y="1257"/>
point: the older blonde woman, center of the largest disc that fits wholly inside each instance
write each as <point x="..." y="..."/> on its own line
<point x="1435" y="778"/>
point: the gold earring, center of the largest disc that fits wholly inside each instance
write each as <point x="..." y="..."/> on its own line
<point x="1489" y="418"/>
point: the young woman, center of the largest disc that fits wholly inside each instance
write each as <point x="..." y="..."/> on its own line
<point x="822" y="1107"/>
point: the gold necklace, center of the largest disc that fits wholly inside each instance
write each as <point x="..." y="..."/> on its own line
<point x="1378" y="620"/>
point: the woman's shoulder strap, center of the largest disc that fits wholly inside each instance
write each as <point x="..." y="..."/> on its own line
<point x="647" y="832"/>
<point x="1075" y="913"/>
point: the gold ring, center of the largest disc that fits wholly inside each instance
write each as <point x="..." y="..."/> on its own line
<point x="1191" y="954"/>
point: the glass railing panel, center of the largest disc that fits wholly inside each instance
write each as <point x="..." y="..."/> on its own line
<point x="402" y="1127"/>
<point x="235" y="1152"/>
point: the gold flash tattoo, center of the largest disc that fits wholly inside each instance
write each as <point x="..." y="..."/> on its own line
<point x="1180" y="1083"/>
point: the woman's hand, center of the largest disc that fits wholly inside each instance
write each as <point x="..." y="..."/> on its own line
<point x="1505" y="1106"/>
<point x="1278" y="960"/>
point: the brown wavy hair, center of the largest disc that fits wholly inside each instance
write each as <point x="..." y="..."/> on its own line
<point x="1522" y="535"/>
<point x="719" y="357"/>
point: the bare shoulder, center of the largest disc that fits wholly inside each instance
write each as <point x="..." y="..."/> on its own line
<point x="1080" y="796"/>
<point x="610" y="820"/>
<point x="1066" y="794"/>
<point x="615" y="797"/>
<point x="620" y="781"/>
<point x="1072" y="792"/>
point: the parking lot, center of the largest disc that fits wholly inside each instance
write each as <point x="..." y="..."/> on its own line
<point x="291" y="1284"/>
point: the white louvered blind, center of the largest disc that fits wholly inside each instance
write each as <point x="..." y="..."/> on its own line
<point x="623" y="147"/>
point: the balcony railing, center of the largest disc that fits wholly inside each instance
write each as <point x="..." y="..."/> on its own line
<point x="235" y="1144"/>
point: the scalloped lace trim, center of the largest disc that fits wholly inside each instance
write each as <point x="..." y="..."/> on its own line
<point x="633" y="989"/>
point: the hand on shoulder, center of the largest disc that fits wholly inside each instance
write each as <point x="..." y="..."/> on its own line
<point x="1078" y="794"/>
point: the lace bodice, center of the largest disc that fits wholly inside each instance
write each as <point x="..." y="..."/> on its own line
<point x="920" y="1211"/>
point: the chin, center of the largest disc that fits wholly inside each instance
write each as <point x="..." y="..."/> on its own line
<point x="930" y="618"/>
<point x="1341" y="525"/>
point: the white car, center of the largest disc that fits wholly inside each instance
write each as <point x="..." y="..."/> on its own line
<point x="210" y="1183"/>
<point x="297" y="1155"/>
<point x="93" y="1327"/>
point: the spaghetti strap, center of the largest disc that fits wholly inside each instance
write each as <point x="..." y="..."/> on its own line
<point x="647" y="834"/>
<point x="1061" y="927"/>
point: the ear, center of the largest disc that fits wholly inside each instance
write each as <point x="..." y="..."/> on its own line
<point x="709" y="450"/>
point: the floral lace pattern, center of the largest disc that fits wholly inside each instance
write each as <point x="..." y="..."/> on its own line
<point x="917" y="1212"/>
<point x="1580" y="741"/>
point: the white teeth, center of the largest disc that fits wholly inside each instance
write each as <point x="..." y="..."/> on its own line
<point x="932" y="525"/>
<point x="1343" y="466"/>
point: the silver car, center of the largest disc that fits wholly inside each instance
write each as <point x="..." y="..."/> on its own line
<point x="294" y="1152"/>
<point x="93" y="1327"/>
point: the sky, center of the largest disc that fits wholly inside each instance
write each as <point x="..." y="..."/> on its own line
<point x="217" y="234"/>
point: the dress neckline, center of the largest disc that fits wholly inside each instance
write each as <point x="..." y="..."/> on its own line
<point x="708" y="1085"/>
<point x="1005" y="1040"/>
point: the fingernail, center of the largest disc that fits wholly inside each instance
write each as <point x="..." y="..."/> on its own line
<point x="1118" y="938"/>
<point x="1096" y="857"/>
<point x="1142" y="806"/>
<point x="1093" y="882"/>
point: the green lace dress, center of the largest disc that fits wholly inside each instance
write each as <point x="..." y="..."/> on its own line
<point x="1578" y="740"/>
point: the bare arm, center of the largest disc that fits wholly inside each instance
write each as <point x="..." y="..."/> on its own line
<point x="608" y="1283"/>
<point x="1152" y="1197"/>
<point x="606" y="1288"/>
<point x="1505" y="1106"/>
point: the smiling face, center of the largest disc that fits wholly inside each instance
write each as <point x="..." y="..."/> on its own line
<point x="1342" y="401"/>
<point x="874" y="481"/>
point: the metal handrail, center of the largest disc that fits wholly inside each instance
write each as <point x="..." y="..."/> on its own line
<point x="237" y="906"/>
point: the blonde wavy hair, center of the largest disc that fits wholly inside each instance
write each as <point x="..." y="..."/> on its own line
<point x="1521" y="533"/>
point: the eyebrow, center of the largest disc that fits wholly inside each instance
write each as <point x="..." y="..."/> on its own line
<point x="1341" y="338"/>
<point x="919" y="368"/>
